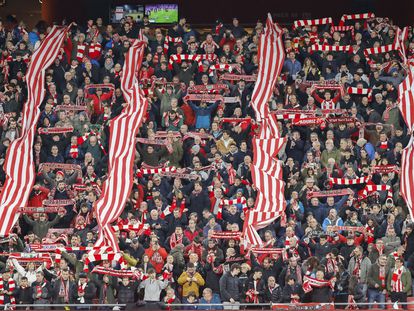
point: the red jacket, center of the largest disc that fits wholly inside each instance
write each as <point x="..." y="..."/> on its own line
<point x="191" y="235"/>
<point x="38" y="197"/>
<point x="157" y="258"/>
<point x="230" y="41"/>
<point x="97" y="102"/>
<point x="189" y="116"/>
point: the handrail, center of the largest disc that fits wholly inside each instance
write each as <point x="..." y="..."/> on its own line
<point x="266" y="304"/>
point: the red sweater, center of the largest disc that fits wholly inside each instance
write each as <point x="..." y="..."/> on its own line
<point x="97" y="102"/>
<point x="38" y="197"/>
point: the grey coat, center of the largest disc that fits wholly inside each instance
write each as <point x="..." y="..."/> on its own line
<point x="364" y="269"/>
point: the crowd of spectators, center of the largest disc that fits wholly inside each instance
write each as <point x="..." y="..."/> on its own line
<point x="178" y="259"/>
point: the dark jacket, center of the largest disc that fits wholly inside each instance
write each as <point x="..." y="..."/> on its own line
<point x="198" y="202"/>
<point x="89" y="295"/>
<point x="56" y="287"/>
<point x="40" y="228"/>
<point x="108" y="288"/>
<point x="229" y="287"/>
<point x="260" y="287"/>
<point x="274" y="296"/>
<point x="322" y="294"/>
<point x="373" y="277"/>
<point x="23" y="295"/>
<point x="291" y="290"/>
<point x="127" y="294"/>
<point x="46" y="292"/>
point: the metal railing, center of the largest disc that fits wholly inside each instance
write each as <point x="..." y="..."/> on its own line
<point x="178" y="306"/>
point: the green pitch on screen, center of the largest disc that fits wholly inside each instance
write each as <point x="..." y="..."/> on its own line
<point x="164" y="16"/>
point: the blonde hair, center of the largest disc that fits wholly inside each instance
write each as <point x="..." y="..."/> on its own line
<point x="246" y="266"/>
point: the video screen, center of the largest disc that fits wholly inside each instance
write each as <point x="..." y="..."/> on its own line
<point x="162" y="13"/>
<point x="118" y="12"/>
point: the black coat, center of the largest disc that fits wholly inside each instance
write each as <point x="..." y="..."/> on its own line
<point x="295" y="150"/>
<point x="46" y="292"/>
<point x="212" y="278"/>
<point x="229" y="287"/>
<point x="274" y="296"/>
<point x="322" y="294"/>
<point x="23" y="295"/>
<point x="198" y="202"/>
<point x="89" y="295"/>
<point x="127" y="294"/>
<point x="291" y="290"/>
<point x="56" y="289"/>
<point x="260" y="287"/>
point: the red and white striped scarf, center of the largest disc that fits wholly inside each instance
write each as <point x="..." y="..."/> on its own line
<point x="118" y="273"/>
<point x="178" y="58"/>
<point x="11" y="287"/>
<point x="369" y="229"/>
<point x="223" y="202"/>
<point x="357" y="268"/>
<point x="80" y="52"/>
<point x="226" y="235"/>
<point x="360" y="91"/>
<point x="312" y="22"/>
<point x="347" y="17"/>
<point x="94" y="50"/>
<point x="386" y="115"/>
<point x="251" y="296"/>
<point x="176" y="240"/>
<point x="231" y="173"/>
<point x="58" y="251"/>
<point x="396" y="282"/>
<point x="310" y="283"/>
<point x="343" y="29"/>
<point x="81" y="290"/>
<point x="170" y="209"/>
<point x="328" y="104"/>
<point x="39" y="289"/>
<point x="347" y="181"/>
<point x="151" y="171"/>
<point x="382" y="275"/>
<point x="110" y="256"/>
<point x="169" y="40"/>
<point x="74" y="151"/>
<point x="379" y="50"/>
<point x="331" y="265"/>
<point x="351" y="303"/>
<point x="331" y="48"/>
<point x="372" y="188"/>
<point x="64" y="289"/>
<point x="139" y="227"/>
<point x="219" y="67"/>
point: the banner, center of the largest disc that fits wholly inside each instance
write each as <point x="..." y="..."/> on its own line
<point x="226" y="235"/>
<point x="118" y="273"/>
<point x="211" y="98"/>
<point x="47" y="210"/>
<point x="54" y="130"/>
<point x="71" y="108"/>
<point x="304" y="306"/>
<point x="328" y="193"/>
<point x="211" y="88"/>
<point x="59" y="202"/>
<point x="233" y="77"/>
<point x="345" y="228"/>
<point x="61" y="166"/>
